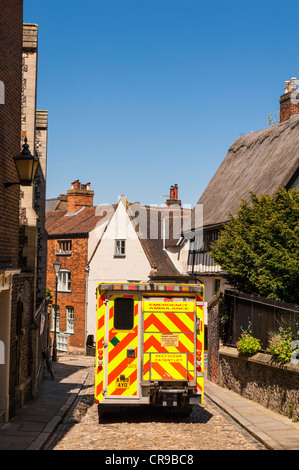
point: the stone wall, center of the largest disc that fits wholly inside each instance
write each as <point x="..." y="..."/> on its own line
<point x="258" y="378"/>
<point x="261" y="379"/>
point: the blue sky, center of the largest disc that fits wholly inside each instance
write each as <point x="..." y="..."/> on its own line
<point x="143" y="94"/>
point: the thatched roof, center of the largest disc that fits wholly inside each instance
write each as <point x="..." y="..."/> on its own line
<point x="260" y="162"/>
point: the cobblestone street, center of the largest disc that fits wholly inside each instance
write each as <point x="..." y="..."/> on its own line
<point x="141" y="429"/>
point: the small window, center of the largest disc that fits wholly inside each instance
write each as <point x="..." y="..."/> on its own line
<point x="53" y="318"/>
<point x="64" y="280"/>
<point x="123" y="313"/>
<point x="64" y="247"/>
<point x="70" y="320"/>
<point x="120" y="248"/>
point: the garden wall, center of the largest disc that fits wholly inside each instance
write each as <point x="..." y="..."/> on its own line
<point x="259" y="378"/>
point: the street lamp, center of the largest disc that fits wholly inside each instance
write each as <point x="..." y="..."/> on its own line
<point x="26" y="165"/>
<point x="57" y="266"/>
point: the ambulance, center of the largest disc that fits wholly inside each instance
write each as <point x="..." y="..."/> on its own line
<point x="149" y="345"/>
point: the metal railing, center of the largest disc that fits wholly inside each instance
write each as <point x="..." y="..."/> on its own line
<point x="263" y="315"/>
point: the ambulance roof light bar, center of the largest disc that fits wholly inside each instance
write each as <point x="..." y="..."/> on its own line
<point x="152" y="287"/>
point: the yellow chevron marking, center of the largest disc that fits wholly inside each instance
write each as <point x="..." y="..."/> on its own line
<point x="179" y="322"/>
<point x="154" y="344"/>
<point x="118" y="363"/>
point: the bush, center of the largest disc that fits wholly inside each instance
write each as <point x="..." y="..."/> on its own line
<point x="247" y="344"/>
<point x="258" y="248"/>
<point x="280" y="345"/>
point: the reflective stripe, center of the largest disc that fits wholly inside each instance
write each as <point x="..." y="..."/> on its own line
<point x="118" y="362"/>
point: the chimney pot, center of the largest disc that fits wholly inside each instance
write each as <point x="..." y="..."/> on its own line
<point x="293" y="83"/>
<point x="75" y="184"/>
<point x="287" y="86"/>
<point x="173" y="197"/>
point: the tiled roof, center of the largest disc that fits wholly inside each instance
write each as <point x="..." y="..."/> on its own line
<point x="61" y="223"/>
<point x="162" y="265"/>
<point x="80" y="222"/>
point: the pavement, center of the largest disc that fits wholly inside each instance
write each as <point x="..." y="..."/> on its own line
<point x="273" y="430"/>
<point x="35" y="423"/>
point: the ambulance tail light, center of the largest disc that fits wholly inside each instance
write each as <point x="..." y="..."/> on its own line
<point x="100" y="355"/>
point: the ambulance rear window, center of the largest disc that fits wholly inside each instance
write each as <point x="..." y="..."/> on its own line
<point x="123" y="313"/>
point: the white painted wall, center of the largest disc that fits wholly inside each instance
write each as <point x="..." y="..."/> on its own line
<point x="179" y="256"/>
<point x="209" y="283"/>
<point x="105" y="267"/>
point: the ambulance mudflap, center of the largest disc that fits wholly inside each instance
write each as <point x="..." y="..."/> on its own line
<point x="149" y="344"/>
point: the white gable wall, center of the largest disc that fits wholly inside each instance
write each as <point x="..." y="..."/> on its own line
<point x="179" y="256"/>
<point x="105" y="267"/>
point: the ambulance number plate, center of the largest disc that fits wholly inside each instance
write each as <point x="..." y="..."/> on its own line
<point x="122" y="382"/>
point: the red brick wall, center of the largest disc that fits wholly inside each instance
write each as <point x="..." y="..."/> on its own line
<point x="78" y="198"/>
<point x="76" y="263"/>
<point x="11" y="27"/>
<point x="287" y="108"/>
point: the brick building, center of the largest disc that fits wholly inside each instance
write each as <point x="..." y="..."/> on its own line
<point x="11" y="23"/>
<point x="69" y="221"/>
<point x="31" y="290"/>
<point x="22" y="313"/>
<point x="33" y="198"/>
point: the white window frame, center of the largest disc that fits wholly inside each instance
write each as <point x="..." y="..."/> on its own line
<point x="70" y="327"/>
<point x="64" y="280"/>
<point x="119" y="248"/>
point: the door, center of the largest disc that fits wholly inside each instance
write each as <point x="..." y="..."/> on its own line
<point x="169" y="339"/>
<point x="62" y="341"/>
<point x="122" y="321"/>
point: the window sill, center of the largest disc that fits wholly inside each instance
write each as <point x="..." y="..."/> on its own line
<point x="119" y="256"/>
<point x="64" y="291"/>
<point x="63" y="254"/>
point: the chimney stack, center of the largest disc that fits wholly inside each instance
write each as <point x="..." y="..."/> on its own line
<point x="289" y="102"/>
<point x="78" y="196"/>
<point x="173" y="197"/>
